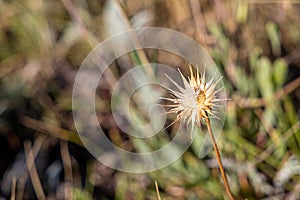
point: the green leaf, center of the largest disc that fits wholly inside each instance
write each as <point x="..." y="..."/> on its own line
<point x="242" y="11"/>
<point x="222" y="41"/>
<point x="242" y="81"/>
<point x="280" y="72"/>
<point x="273" y="34"/>
<point x="264" y="77"/>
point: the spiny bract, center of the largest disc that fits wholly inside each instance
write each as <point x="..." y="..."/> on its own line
<point x="196" y="100"/>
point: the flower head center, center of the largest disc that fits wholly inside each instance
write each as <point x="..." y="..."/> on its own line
<point x="201" y="97"/>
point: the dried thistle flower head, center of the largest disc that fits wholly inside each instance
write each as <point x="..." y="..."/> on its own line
<point x="196" y="100"/>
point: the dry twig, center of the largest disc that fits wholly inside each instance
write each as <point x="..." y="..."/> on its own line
<point x="279" y="141"/>
<point x="279" y="94"/>
<point x="13" y="189"/>
<point x="33" y="171"/>
<point x="67" y="163"/>
<point x="22" y="180"/>
<point x="50" y="129"/>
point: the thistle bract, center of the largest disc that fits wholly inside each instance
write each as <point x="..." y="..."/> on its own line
<point x="196" y="100"/>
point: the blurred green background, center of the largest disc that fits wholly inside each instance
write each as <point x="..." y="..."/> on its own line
<point x="255" y="44"/>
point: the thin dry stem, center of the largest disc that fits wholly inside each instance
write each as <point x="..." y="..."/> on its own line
<point x="216" y="149"/>
<point x="201" y="31"/>
<point x="157" y="191"/>
<point x="51" y="130"/>
<point x="259" y="102"/>
<point x="20" y="187"/>
<point x="37" y="186"/>
<point x="72" y="10"/>
<point x="267" y="124"/>
<point x="13" y="189"/>
<point x="141" y="54"/>
<point x="67" y="163"/>
<point x="220" y="10"/>
<point x="279" y="141"/>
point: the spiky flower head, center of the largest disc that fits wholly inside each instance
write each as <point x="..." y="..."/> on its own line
<point x="196" y="100"/>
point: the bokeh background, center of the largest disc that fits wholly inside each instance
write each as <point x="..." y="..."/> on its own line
<point x="255" y="44"/>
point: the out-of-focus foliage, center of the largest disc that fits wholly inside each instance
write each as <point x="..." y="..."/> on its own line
<point x="255" y="44"/>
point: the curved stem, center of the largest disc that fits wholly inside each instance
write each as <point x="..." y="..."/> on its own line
<point x="157" y="191"/>
<point x="216" y="149"/>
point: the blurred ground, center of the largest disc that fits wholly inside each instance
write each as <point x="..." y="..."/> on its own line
<point x="256" y="45"/>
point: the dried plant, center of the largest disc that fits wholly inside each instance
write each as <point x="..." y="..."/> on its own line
<point x="195" y="103"/>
